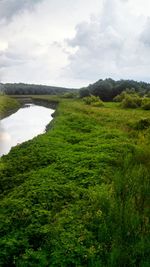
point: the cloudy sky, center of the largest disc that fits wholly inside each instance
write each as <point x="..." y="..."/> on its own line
<point x="74" y="42"/>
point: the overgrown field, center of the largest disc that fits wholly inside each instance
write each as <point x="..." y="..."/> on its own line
<point x="78" y="195"/>
<point x="7" y="104"/>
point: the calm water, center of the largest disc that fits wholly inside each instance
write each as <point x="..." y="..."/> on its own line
<point x="23" y="125"/>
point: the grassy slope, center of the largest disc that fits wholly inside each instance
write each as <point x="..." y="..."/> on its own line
<point x="78" y="195"/>
<point x="7" y="105"/>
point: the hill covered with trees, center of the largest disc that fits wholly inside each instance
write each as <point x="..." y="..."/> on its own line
<point x="107" y="89"/>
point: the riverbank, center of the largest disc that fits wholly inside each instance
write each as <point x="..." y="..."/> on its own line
<point x="8" y="106"/>
<point x="14" y="128"/>
<point x="41" y="100"/>
<point x="78" y="192"/>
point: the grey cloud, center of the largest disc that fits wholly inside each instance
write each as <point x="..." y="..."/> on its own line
<point x="7" y="60"/>
<point x="145" y="35"/>
<point x="9" y="8"/>
<point x="18" y="54"/>
<point x="99" y="44"/>
<point x="105" y="47"/>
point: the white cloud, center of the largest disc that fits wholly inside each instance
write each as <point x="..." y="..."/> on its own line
<point x="72" y="43"/>
<point x="115" y="44"/>
<point x="29" y="50"/>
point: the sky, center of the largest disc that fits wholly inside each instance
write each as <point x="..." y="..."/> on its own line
<point x="74" y="43"/>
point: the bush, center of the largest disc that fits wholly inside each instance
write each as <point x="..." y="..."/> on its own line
<point x="87" y="100"/>
<point x="120" y="97"/>
<point x="131" y="101"/>
<point x="143" y="124"/>
<point x="91" y="99"/>
<point x="94" y="101"/>
<point x="99" y="103"/>
<point x="146" y="103"/>
<point x="128" y="91"/>
<point x="148" y="94"/>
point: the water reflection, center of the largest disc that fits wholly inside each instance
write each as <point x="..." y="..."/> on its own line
<point x="23" y="125"/>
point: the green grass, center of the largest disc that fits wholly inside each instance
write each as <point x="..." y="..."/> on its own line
<point x="78" y="194"/>
<point x="7" y="105"/>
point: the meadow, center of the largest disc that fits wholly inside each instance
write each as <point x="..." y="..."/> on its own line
<point x="78" y="195"/>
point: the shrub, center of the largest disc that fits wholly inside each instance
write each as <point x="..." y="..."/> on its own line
<point x="91" y="99"/>
<point x="147" y="94"/>
<point x="127" y="92"/>
<point x="120" y="97"/>
<point x="146" y="103"/>
<point x="87" y="100"/>
<point x="99" y="103"/>
<point x="131" y="101"/>
<point x="143" y="124"/>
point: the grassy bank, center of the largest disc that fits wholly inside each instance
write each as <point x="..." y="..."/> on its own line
<point x="7" y="105"/>
<point x="78" y="194"/>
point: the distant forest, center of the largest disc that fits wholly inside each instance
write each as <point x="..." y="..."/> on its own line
<point x="33" y="89"/>
<point x="106" y="89"/>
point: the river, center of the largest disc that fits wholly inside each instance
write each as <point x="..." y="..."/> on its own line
<point x="28" y="122"/>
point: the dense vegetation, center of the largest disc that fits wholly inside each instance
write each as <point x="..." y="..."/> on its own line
<point x="107" y="89"/>
<point x="7" y="105"/>
<point x="131" y="99"/>
<point x="78" y="194"/>
<point x="21" y="88"/>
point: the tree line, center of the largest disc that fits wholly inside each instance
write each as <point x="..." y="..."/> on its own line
<point x="34" y="89"/>
<point x="107" y="89"/>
